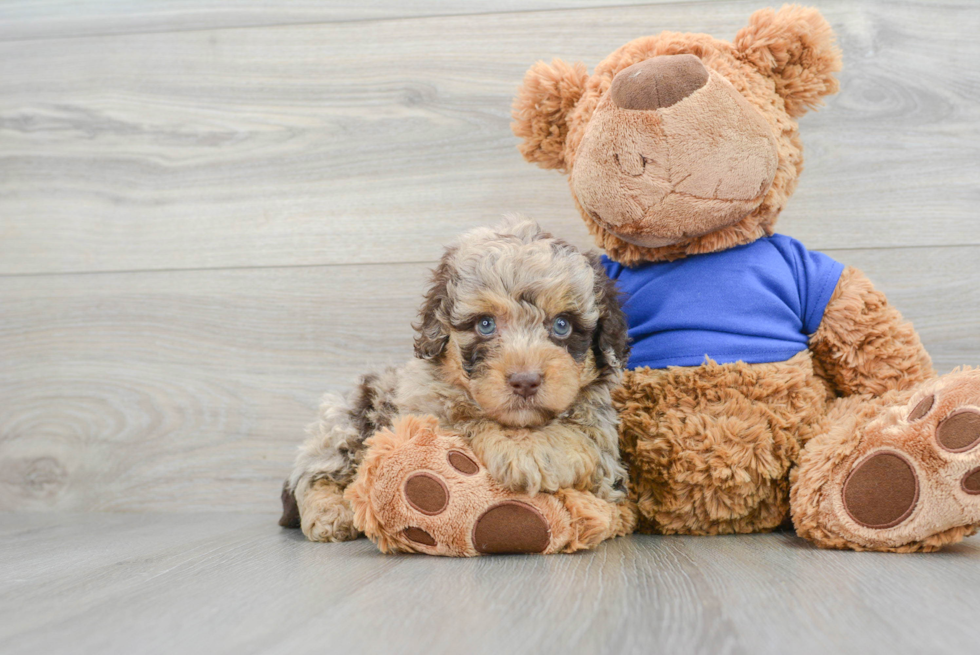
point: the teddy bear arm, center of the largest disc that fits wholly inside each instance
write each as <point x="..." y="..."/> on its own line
<point x="863" y="345"/>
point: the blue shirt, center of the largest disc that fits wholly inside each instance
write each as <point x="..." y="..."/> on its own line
<point x="755" y="303"/>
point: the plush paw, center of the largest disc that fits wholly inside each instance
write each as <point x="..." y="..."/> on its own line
<point x="914" y="481"/>
<point x="419" y="490"/>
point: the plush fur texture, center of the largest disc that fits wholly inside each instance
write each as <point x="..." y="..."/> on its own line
<point x="843" y="436"/>
<point x="709" y="448"/>
<point x="702" y="165"/>
<point x="861" y="426"/>
<point x="863" y="346"/>
<point x="551" y="313"/>
<point x="552" y="91"/>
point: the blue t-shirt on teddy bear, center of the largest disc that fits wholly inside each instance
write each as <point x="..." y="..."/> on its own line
<point x="756" y="303"/>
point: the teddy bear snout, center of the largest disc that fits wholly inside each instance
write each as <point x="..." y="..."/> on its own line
<point x="658" y="82"/>
<point x="630" y="163"/>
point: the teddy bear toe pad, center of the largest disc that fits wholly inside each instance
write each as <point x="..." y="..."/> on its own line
<point x="426" y="493"/>
<point x="881" y="491"/>
<point x="511" y="527"/>
<point x="462" y="463"/>
<point x="971" y="482"/>
<point x="419" y="536"/>
<point x="959" y="432"/>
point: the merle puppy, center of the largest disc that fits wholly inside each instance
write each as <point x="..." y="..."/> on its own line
<point x="519" y="342"/>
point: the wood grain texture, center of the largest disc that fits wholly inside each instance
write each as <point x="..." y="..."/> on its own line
<point x="210" y="584"/>
<point x="189" y="390"/>
<point x="371" y="141"/>
<point x="182" y="390"/>
<point x="22" y="20"/>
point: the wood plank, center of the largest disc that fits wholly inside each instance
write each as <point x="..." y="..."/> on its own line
<point x="46" y="19"/>
<point x="370" y="141"/>
<point x="207" y="583"/>
<point x="189" y="390"/>
<point x="182" y="390"/>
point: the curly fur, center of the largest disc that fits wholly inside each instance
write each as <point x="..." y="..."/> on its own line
<point x="591" y="522"/>
<point x="687" y="473"/>
<point x="863" y="345"/>
<point x="565" y="436"/>
<point x="795" y="48"/>
<point x="548" y="93"/>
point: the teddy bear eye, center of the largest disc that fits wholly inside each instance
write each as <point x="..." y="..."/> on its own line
<point x="561" y="327"/>
<point x="486" y="326"/>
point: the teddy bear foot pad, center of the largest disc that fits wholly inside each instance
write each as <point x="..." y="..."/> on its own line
<point x="918" y="472"/>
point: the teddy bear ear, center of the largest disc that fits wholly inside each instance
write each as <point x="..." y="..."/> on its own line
<point x="541" y="109"/>
<point x="796" y="48"/>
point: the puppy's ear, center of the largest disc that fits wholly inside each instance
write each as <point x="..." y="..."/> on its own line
<point x="541" y="109"/>
<point x="610" y="342"/>
<point x="795" y="47"/>
<point x="432" y="328"/>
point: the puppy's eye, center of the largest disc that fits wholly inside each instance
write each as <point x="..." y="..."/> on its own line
<point x="561" y="327"/>
<point x="486" y="326"/>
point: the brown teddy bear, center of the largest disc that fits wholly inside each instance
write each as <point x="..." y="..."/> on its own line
<point x="766" y="381"/>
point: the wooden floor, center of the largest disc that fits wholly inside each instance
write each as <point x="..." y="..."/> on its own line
<point x="115" y="583"/>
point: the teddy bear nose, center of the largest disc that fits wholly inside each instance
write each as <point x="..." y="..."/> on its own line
<point x="658" y="82"/>
<point x="524" y="384"/>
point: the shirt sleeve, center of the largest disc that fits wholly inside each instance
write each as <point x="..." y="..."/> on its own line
<point x="817" y="276"/>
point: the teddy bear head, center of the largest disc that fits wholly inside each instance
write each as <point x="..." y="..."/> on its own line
<point x="681" y="144"/>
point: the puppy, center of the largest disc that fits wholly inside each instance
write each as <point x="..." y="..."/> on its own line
<point x="519" y="342"/>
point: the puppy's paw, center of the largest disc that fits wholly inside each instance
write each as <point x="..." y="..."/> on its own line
<point x="521" y="475"/>
<point x="325" y="515"/>
<point x="539" y="464"/>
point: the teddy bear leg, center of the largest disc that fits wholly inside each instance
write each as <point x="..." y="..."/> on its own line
<point x="709" y="448"/>
<point x="424" y="491"/>
<point x="593" y="520"/>
<point x="900" y="472"/>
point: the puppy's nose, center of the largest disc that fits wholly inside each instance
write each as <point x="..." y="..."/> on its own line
<point x="658" y="82"/>
<point x="524" y="384"/>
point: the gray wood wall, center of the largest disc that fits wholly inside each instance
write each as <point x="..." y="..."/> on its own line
<point x="212" y="212"/>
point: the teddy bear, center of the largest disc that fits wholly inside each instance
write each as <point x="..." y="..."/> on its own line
<point x="766" y="382"/>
